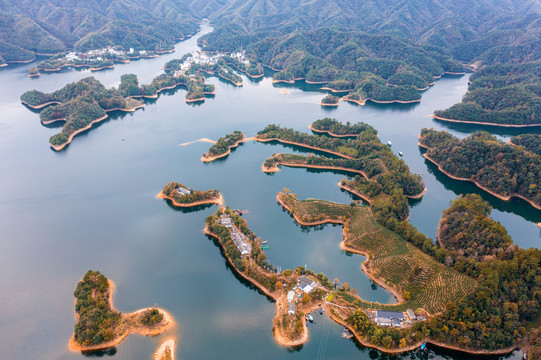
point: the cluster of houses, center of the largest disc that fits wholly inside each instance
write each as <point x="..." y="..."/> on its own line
<point x="394" y="318"/>
<point x="200" y="58"/>
<point x="183" y="191"/>
<point x="244" y="246"/>
<point x="98" y="54"/>
<point x="304" y="285"/>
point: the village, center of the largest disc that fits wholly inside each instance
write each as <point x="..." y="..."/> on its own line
<point x="298" y="295"/>
<point x="203" y="59"/>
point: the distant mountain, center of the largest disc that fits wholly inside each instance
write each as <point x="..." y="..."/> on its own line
<point x="489" y="30"/>
<point x="51" y="26"/>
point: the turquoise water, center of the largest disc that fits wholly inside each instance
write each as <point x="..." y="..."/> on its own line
<point x="93" y="206"/>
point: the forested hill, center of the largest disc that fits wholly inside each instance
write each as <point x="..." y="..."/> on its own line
<point x="505" y="95"/>
<point x="492" y="31"/>
<point x="51" y="26"/>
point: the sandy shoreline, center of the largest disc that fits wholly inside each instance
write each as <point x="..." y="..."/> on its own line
<point x="329" y="104"/>
<point x="484" y="123"/>
<point x="170" y="344"/>
<point x="218" y="201"/>
<point x="40" y="106"/>
<point x="499" y="196"/>
<point x="239" y="84"/>
<point x="305" y="146"/>
<point x="212" y="158"/>
<point x="360" y="102"/>
<point x="167" y="322"/>
<point x="331" y="133"/>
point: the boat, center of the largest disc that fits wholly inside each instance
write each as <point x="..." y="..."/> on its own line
<point x="346" y="334"/>
<point x="423" y="346"/>
<point x="389" y="143"/>
<point x="264" y="242"/>
<point x="400" y="153"/>
<point x="264" y="247"/>
<point x="309" y="318"/>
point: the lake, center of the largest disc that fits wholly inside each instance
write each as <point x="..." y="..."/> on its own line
<point x="93" y="206"/>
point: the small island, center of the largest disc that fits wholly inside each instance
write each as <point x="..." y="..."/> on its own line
<point x="493" y="165"/>
<point x="99" y="326"/>
<point x="334" y="128"/>
<point x="330" y="100"/>
<point x="181" y="196"/>
<point x="223" y="146"/>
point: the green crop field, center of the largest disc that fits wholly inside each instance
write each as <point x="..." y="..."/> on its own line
<point x="392" y="259"/>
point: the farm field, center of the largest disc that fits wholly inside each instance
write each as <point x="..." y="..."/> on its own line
<point x="392" y="259"/>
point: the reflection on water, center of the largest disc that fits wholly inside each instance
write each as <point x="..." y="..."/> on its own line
<point x="93" y="206"/>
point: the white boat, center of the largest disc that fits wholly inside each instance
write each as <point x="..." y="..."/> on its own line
<point x="400" y="153"/>
<point x="389" y="143"/>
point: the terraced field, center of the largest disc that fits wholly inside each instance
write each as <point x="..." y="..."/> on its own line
<point x="392" y="259"/>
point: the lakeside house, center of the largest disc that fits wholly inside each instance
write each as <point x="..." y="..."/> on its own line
<point x="291" y="308"/>
<point x="290" y="296"/>
<point x="306" y="284"/>
<point x="411" y="314"/>
<point x="183" y="191"/>
<point x="388" y="318"/>
<point x="238" y="238"/>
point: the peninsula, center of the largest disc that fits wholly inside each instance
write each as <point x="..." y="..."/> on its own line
<point x="365" y="155"/>
<point x="334" y="128"/>
<point x="223" y="146"/>
<point x="181" y="196"/>
<point x="99" y="326"/>
<point x="502" y="170"/>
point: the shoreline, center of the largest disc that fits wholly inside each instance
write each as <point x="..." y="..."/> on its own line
<point x="238" y="84"/>
<point x="168" y="321"/>
<point x="305" y="146"/>
<point x="484" y="123"/>
<point x="281" y="340"/>
<point x="334" y="90"/>
<point x="360" y="102"/>
<point x="331" y="133"/>
<point x="170" y="344"/>
<point x="61" y="147"/>
<point x="345" y="247"/>
<point x="235" y="145"/>
<point x="330" y="104"/>
<point x="499" y="196"/>
<point x="218" y="201"/>
<point x="40" y="106"/>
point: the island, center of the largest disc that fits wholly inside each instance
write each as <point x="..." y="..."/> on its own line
<point x="166" y="350"/>
<point x="223" y="146"/>
<point x="79" y="105"/>
<point x="334" y="128"/>
<point x="502" y="170"/>
<point x="99" y="326"/>
<point x="364" y="155"/>
<point x="86" y="102"/>
<point x="503" y="95"/>
<point x="181" y="196"/>
<point x="329" y="100"/>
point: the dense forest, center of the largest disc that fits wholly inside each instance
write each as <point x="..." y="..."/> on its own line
<point x="365" y="153"/>
<point x="97" y="321"/>
<point x="50" y="27"/>
<point x="532" y="142"/>
<point x="79" y="104"/>
<point x="185" y="197"/>
<point x="468" y="232"/>
<point x="508" y="94"/>
<point x="334" y="127"/>
<point x="224" y="143"/>
<point x="378" y="67"/>
<point x="491" y="163"/>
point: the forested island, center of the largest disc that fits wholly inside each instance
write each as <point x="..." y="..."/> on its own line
<point x="330" y="100"/>
<point x="500" y="95"/>
<point x="182" y="196"/>
<point x="364" y="154"/>
<point x="335" y="128"/>
<point x="85" y="102"/>
<point x="504" y="171"/>
<point x="223" y="146"/>
<point x="469" y="234"/>
<point x="100" y="326"/>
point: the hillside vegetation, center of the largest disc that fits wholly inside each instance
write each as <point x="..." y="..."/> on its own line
<point x="493" y="164"/>
<point x="501" y="95"/>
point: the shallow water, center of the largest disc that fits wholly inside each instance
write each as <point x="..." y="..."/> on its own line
<point x="93" y="206"/>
